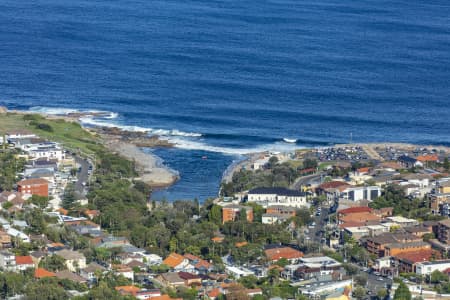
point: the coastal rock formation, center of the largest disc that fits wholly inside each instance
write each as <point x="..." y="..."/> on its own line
<point x="139" y="139"/>
<point x="3" y="110"/>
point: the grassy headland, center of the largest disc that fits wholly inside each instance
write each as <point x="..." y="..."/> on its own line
<point x="70" y="134"/>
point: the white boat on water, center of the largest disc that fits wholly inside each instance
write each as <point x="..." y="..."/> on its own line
<point x="292" y="141"/>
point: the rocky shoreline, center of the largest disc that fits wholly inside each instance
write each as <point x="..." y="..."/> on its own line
<point x="127" y="144"/>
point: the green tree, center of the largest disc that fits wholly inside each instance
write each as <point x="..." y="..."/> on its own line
<point x="309" y="163"/>
<point x="45" y="289"/>
<point x="69" y="196"/>
<point x="359" y="292"/>
<point x="402" y="292"/>
<point x="39" y="201"/>
<point x="215" y="214"/>
<point x="282" y="262"/>
<point x="273" y="161"/>
<point x="382" y="293"/>
<point x="437" y="276"/>
<point x="446" y="164"/>
<point x="53" y="263"/>
<point x="243" y="215"/>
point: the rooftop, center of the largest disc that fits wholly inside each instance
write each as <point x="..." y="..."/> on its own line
<point x="283" y="252"/>
<point x="24" y="260"/>
<point x="32" y="181"/>
<point x="277" y="191"/>
<point x="173" y="260"/>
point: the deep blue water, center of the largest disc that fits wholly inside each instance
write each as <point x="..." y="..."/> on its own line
<point x="243" y="74"/>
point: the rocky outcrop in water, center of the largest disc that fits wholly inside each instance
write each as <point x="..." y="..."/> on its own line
<point x="139" y="139"/>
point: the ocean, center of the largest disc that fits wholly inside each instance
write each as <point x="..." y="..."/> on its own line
<point x="225" y="78"/>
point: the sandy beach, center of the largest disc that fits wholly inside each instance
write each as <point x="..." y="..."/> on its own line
<point x="147" y="165"/>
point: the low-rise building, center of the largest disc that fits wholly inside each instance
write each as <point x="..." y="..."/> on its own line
<point x="74" y="259"/>
<point x="36" y="186"/>
<point x="232" y="212"/>
<point x="402" y="221"/>
<point x="274" y="218"/>
<point x="428" y="267"/>
<point x="177" y="262"/>
<point x="278" y="196"/>
<point x="443" y="233"/>
<point x="376" y="245"/>
<point x="359" y="193"/>
<point x="89" y="273"/>
<point x="318" y="267"/>
<point x="171" y="279"/>
<point x="24" y="262"/>
<point x="276" y="252"/>
<point x="398" y="248"/>
<point x="7" y="260"/>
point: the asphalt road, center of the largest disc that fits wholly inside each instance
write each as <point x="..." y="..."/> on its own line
<point x="82" y="176"/>
<point x="305" y="180"/>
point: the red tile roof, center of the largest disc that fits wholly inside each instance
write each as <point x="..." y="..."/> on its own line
<point x="240" y="244"/>
<point x="217" y="239"/>
<point x="356" y="209"/>
<point x="283" y="252"/>
<point x="416" y="256"/>
<point x="24" y="260"/>
<point x="42" y="273"/>
<point x="127" y="289"/>
<point x="32" y="181"/>
<point x="173" y="260"/>
<point x="428" y="157"/>
<point x="363" y="170"/>
<point x="214" y="293"/>
<point x="332" y="185"/>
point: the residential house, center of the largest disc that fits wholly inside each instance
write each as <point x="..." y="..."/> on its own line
<point x="278" y="196"/>
<point x="5" y="240"/>
<point x="190" y="280"/>
<point x="36" y="186"/>
<point x="276" y="252"/>
<point x="66" y="274"/>
<point x="89" y="273"/>
<point x="125" y="258"/>
<point x="152" y="259"/>
<point x="232" y="212"/>
<point x="37" y="256"/>
<point x="74" y="259"/>
<point x="408" y="162"/>
<point x="24" y="262"/>
<point x="128" y="290"/>
<point x="43" y="273"/>
<point x="19" y="134"/>
<point x="177" y="262"/>
<point x="48" y="150"/>
<point x="18" y="236"/>
<point x="171" y="279"/>
<point x="201" y="266"/>
<point x="123" y="270"/>
<point x="7" y="260"/>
